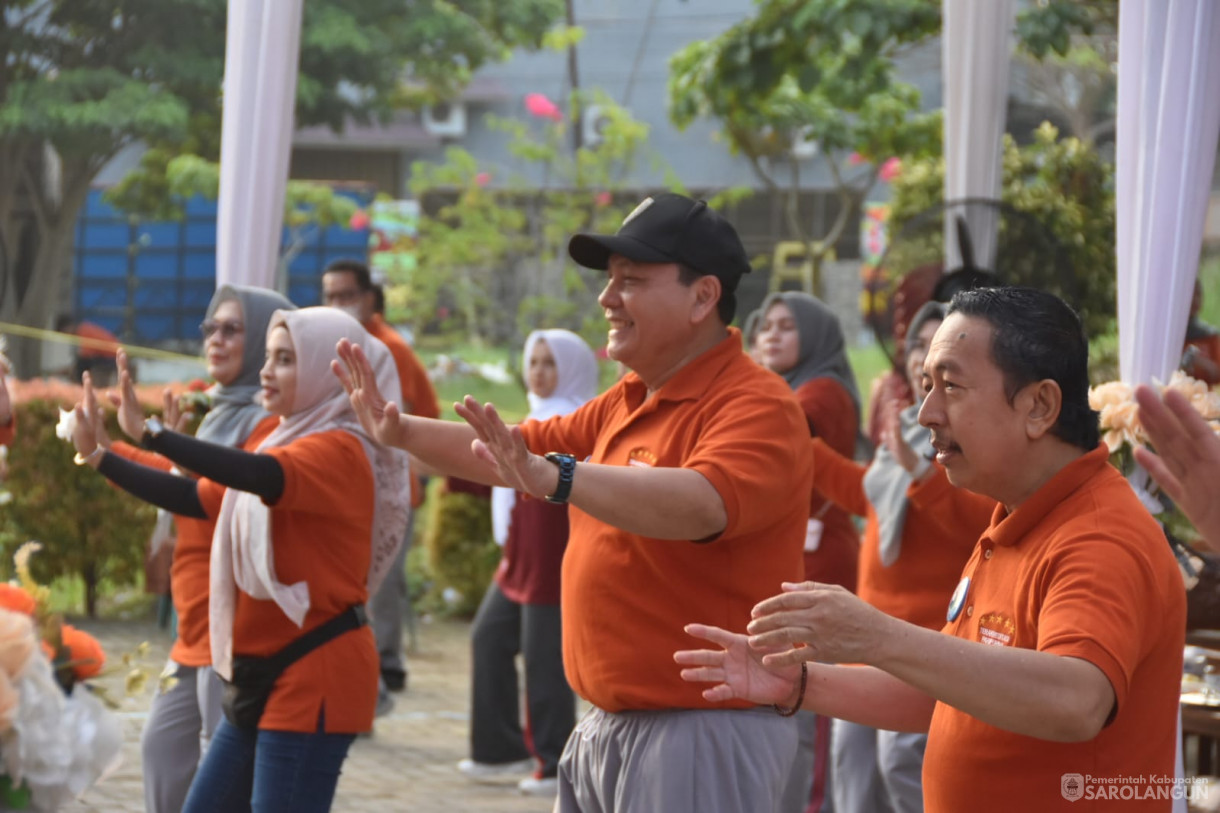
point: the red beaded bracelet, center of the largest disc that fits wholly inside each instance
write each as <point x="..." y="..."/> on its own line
<point x="800" y="697"/>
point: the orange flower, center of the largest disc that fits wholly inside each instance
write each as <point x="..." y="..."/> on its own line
<point x="84" y="651"/>
<point x="16" y="599"/>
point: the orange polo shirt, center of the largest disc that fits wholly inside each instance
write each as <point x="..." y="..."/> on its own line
<point x="942" y="524"/>
<point x="8" y="432"/>
<point x="625" y="597"/>
<point x="188" y="575"/>
<point x="1080" y="569"/>
<point x="832" y="416"/>
<point x="321" y="531"/>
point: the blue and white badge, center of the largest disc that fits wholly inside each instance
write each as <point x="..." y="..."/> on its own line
<point x="959" y="599"/>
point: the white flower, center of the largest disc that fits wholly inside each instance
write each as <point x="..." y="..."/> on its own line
<point x="67" y="424"/>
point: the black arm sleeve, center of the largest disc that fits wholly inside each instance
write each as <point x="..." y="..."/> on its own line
<point x="176" y="494"/>
<point x="259" y="474"/>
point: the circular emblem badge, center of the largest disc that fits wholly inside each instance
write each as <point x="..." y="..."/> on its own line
<point x="959" y="599"/>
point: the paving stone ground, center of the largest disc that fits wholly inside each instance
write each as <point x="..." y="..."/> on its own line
<point x="408" y="763"/>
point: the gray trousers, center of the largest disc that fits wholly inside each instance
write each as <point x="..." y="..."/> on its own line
<point x="811" y="762"/>
<point x="176" y="735"/>
<point x="694" y="761"/>
<point x="501" y="630"/>
<point x="877" y="771"/>
<point x="388" y="607"/>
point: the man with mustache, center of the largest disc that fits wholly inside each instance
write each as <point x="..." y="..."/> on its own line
<point x="1057" y="673"/>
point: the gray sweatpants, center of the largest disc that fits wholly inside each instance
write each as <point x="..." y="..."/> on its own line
<point x="692" y="761"/>
<point x="876" y="771"/>
<point x="176" y="735"/>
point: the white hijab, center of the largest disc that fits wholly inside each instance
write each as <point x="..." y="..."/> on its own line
<point x="243" y="554"/>
<point x="577" y="372"/>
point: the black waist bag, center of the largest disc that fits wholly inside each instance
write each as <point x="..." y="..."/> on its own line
<point x="245" y="696"/>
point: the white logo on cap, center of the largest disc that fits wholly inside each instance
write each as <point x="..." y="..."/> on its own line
<point x="644" y="204"/>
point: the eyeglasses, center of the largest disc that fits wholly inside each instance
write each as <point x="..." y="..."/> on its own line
<point x="228" y="329"/>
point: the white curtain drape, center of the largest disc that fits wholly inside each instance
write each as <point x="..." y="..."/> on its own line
<point x="976" y="53"/>
<point x="262" y="45"/>
<point x="1168" y="122"/>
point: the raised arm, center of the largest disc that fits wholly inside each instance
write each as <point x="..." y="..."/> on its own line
<point x="839" y="479"/>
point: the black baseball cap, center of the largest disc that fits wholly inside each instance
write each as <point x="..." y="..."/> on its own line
<point x="670" y="228"/>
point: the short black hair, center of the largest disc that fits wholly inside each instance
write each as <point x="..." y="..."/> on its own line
<point x="726" y="308"/>
<point x="1036" y="336"/>
<point x="379" y="300"/>
<point x="364" y="280"/>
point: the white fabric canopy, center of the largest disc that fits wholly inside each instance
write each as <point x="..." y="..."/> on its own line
<point x="1168" y="122"/>
<point x="976" y="53"/>
<point x="262" y="45"/>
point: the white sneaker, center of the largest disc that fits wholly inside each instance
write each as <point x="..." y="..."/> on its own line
<point x="485" y="770"/>
<point x="532" y="786"/>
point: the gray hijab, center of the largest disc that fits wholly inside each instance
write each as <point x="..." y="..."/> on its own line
<point x="886" y="481"/>
<point x="235" y="407"/>
<point x="821" y="352"/>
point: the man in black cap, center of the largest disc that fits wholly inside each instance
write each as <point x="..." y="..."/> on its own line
<point x="689" y="483"/>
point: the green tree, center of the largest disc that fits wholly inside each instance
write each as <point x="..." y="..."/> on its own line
<point x="819" y="71"/>
<point x="1063" y="183"/>
<point x="496" y="248"/>
<point x="82" y="79"/>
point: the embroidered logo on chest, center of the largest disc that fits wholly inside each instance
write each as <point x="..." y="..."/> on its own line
<point x="640" y="456"/>
<point x="997" y="629"/>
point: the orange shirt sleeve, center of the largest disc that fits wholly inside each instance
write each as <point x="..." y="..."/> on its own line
<point x="1096" y="607"/>
<point x="574" y="433"/>
<point x="8" y="432"/>
<point x="840" y="479"/>
<point x="417" y="389"/>
<point x="317" y="470"/>
<point x="830" y="412"/>
<point x="748" y="467"/>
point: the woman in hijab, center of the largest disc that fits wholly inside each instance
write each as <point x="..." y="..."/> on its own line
<point x="919" y="532"/>
<point x="520" y="612"/>
<point x="306" y="526"/>
<point x="801" y="339"/>
<point x="183" y="716"/>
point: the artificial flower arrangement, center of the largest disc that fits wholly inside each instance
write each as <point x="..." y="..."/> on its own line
<point x="57" y="738"/>
<point x="1122" y="432"/>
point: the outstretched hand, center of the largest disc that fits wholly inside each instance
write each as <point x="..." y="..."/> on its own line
<point x="131" y="414"/>
<point x="173" y="416"/>
<point x="1186" y="463"/>
<point x="891" y="435"/>
<point x="503" y="448"/>
<point x="812" y="621"/>
<point x="84" y="435"/>
<point x="736" y="668"/>
<point x="379" y="417"/>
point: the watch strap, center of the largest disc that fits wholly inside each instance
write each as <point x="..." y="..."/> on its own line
<point x="567" y="471"/>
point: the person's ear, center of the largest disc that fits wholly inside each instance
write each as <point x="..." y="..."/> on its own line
<point x="707" y="296"/>
<point x="1041" y="403"/>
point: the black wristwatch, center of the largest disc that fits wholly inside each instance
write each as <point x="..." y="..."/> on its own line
<point x="567" y="470"/>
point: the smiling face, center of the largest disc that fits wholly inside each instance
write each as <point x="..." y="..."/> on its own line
<point x="650" y="315"/>
<point x="980" y="438"/>
<point x="225" y="342"/>
<point x="779" y="339"/>
<point x="543" y="373"/>
<point x="279" y="373"/>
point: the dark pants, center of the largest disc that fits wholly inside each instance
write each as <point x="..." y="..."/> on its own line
<point x="502" y="629"/>
<point x="268" y="771"/>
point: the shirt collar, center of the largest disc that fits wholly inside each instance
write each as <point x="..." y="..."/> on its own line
<point x="693" y="379"/>
<point x="1009" y="529"/>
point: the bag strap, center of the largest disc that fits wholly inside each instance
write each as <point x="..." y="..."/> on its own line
<point x="352" y="618"/>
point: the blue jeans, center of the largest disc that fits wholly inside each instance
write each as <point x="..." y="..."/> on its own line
<point x="268" y="771"/>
